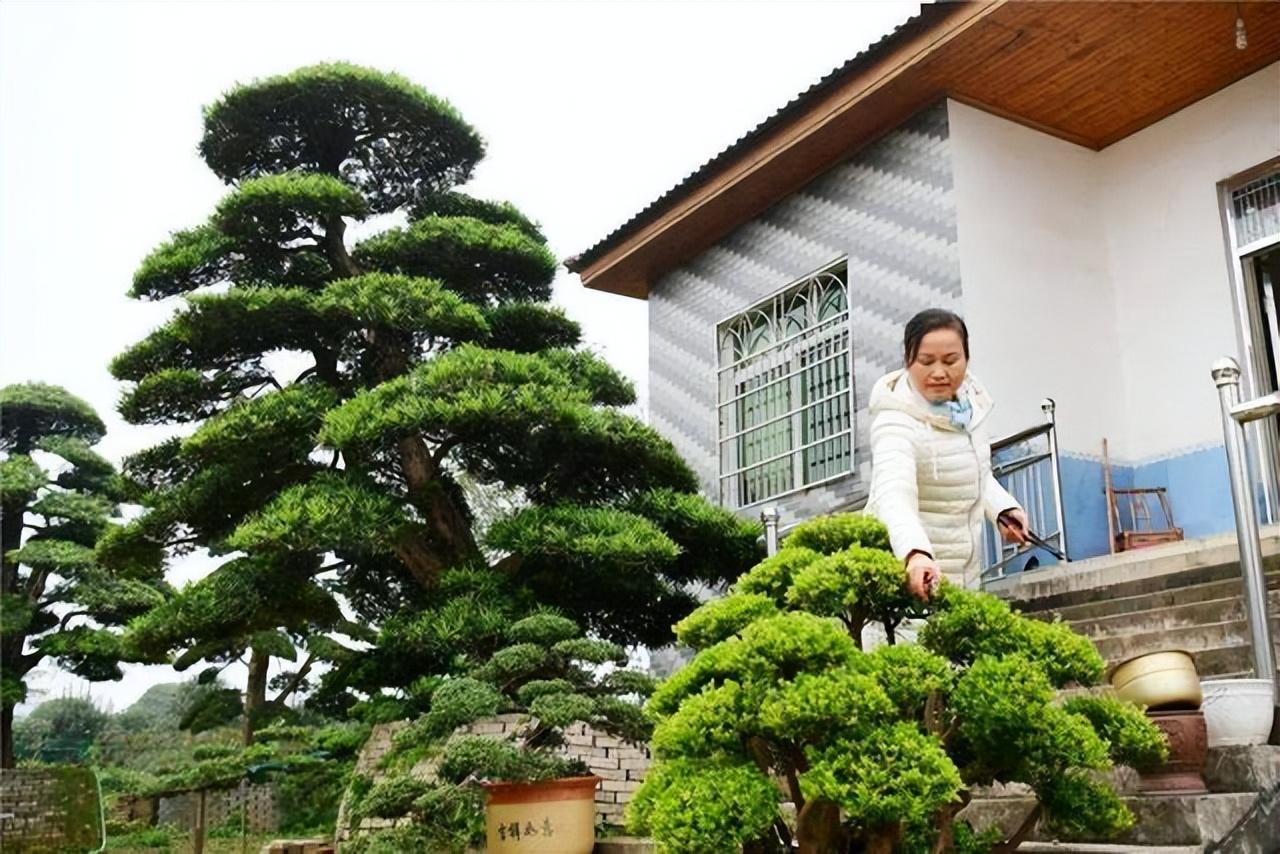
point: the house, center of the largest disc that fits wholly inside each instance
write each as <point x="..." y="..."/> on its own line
<point x="1094" y="186"/>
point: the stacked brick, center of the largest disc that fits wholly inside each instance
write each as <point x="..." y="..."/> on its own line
<point x="48" y="810"/>
<point x="222" y="806"/>
<point x="620" y="765"/>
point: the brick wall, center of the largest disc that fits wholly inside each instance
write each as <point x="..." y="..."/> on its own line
<point x="620" y="765"/>
<point x="222" y="805"/>
<point x="49" y="810"/>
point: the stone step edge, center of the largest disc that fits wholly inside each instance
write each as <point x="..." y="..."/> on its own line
<point x="1089" y="625"/>
<point x="1105" y="848"/>
<point x="1067" y="612"/>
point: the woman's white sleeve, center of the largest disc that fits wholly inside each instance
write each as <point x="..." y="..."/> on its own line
<point x="894" y="491"/>
<point x="997" y="499"/>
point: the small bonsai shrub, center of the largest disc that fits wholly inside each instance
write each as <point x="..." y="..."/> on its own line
<point x="877" y="749"/>
<point x="549" y="672"/>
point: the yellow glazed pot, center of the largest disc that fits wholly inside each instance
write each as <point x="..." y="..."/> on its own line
<point x="1159" y="680"/>
<point x="554" y="817"/>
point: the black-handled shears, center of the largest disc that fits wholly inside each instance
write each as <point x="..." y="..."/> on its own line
<point x="1032" y="537"/>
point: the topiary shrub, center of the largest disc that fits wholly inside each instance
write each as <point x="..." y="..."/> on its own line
<point x="548" y="671"/>
<point x="878" y="750"/>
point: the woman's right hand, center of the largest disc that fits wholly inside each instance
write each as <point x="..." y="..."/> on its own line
<point x="923" y="575"/>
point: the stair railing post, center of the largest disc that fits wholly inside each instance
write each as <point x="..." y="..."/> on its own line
<point x="1226" y="374"/>
<point x="769" y="516"/>
<point x="1049" y="408"/>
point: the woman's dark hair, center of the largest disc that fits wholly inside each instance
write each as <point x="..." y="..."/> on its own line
<point x="930" y="320"/>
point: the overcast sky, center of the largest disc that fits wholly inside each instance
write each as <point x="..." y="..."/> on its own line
<point x="590" y="110"/>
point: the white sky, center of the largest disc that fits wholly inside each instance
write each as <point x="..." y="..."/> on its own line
<point x="590" y="109"/>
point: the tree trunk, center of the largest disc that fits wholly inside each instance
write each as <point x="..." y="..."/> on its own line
<point x="255" y="692"/>
<point x="6" y="737"/>
<point x="818" y="828"/>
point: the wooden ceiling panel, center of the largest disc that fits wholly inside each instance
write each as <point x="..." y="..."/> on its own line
<point x="1091" y="73"/>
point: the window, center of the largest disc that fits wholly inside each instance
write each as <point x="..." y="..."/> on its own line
<point x="1256" y="210"/>
<point x="785" y="391"/>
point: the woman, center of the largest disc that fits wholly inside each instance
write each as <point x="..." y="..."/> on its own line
<point x="931" y="481"/>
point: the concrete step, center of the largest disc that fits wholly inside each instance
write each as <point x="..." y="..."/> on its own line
<point x="1242" y="769"/>
<point x="1227" y="662"/>
<point x="1103" y="848"/>
<point x="1161" y="820"/>
<point x="1195" y="639"/>
<point x="1174" y="597"/>
<point x="1171" y="617"/>
<point x="1144" y="571"/>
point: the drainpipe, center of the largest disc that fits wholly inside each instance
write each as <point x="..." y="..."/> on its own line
<point x="769" y="516"/>
<point x="1226" y="375"/>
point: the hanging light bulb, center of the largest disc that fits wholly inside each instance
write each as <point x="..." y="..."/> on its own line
<point x="1242" y="37"/>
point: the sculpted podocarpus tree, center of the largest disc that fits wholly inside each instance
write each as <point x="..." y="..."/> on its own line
<point x="57" y="497"/>
<point x="876" y="749"/>
<point x="343" y="390"/>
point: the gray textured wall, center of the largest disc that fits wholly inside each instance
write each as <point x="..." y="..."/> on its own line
<point x="891" y="209"/>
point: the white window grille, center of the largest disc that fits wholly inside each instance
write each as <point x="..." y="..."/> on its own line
<point x="1256" y="209"/>
<point x="786" y="391"/>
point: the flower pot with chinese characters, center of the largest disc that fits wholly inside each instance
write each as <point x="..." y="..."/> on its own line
<point x="1188" y="744"/>
<point x="551" y="817"/>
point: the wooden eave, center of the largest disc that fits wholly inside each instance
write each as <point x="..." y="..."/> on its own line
<point x="1088" y="73"/>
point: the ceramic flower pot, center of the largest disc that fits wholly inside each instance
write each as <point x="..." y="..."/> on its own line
<point x="552" y="817"/>
<point x="1188" y="744"/>
<point x="1159" y="681"/>
<point x="1237" y="711"/>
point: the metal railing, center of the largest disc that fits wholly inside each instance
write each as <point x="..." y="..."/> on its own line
<point x="1235" y="415"/>
<point x="1027" y="465"/>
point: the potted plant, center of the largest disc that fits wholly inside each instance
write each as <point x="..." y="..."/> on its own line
<point x="877" y="750"/>
<point x="1238" y="711"/>
<point x="537" y="797"/>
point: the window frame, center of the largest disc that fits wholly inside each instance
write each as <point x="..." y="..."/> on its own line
<point x="729" y="374"/>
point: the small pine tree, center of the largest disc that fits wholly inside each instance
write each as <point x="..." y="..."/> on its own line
<point x="57" y="497"/>
<point x="878" y="749"/>
<point x="425" y="355"/>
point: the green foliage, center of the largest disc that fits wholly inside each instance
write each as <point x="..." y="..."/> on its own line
<point x="892" y="774"/>
<point x="32" y="411"/>
<point x="1076" y="805"/>
<point x="416" y="305"/>
<point x="837" y="532"/>
<point x="58" y="602"/>
<point x="886" y="738"/>
<point x="191" y="259"/>
<point x="454" y="203"/>
<point x="287" y="206"/>
<point x="543" y="629"/>
<point x="772" y="576"/>
<point x="454" y="703"/>
<point x="59" y="731"/>
<point x="696" y="808"/>
<point x="721" y="619"/>
<point x="331" y="511"/>
<point x="970" y="624"/>
<point x="428" y="370"/>
<point x="858" y="580"/>
<point x="483" y="263"/>
<point x="1130" y="738"/>
<point x="527" y="327"/>
<point x="20" y="480"/>
<point x="391" y="139"/>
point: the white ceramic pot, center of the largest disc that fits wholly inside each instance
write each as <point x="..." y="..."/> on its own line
<point x="1237" y="711"/>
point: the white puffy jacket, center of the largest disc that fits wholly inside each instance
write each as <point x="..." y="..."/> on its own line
<point x="931" y="482"/>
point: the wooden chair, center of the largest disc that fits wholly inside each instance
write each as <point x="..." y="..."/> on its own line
<point x="1139" y="501"/>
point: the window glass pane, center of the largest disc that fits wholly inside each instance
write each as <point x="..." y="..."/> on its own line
<point x="1256" y="209"/>
<point x="785" y="405"/>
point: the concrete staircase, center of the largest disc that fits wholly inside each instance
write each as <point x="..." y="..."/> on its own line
<point x="1241" y="813"/>
<point x="1181" y="596"/>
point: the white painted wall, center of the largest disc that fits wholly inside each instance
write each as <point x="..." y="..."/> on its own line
<point x="1033" y="266"/>
<point x="1168" y="259"/>
<point x="1101" y="278"/>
